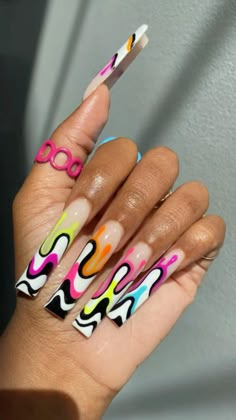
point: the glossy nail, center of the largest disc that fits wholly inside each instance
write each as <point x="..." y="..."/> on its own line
<point x="91" y="260"/>
<point x="113" y="288"/>
<point x="53" y="248"/>
<point x="119" y="62"/>
<point x="139" y="292"/>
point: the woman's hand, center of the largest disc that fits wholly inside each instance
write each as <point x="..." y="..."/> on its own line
<point x="115" y="198"/>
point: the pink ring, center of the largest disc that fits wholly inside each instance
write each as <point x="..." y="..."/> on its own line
<point x="53" y="152"/>
<point x="77" y="170"/>
<point x="42" y="159"/>
<point x="68" y="155"/>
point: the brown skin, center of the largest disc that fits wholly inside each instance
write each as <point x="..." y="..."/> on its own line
<point x="52" y="370"/>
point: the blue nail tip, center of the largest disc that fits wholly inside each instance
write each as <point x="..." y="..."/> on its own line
<point x="139" y="157"/>
<point x="108" y="139"/>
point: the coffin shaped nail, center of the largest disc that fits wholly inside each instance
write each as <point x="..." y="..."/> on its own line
<point x="113" y="288"/>
<point x="120" y="61"/>
<point x="139" y="292"/>
<point x="53" y="248"/>
<point x="91" y="260"/>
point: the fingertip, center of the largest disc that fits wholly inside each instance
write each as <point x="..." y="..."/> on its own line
<point x="106" y="140"/>
<point x="217" y="226"/>
<point x="101" y="93"/>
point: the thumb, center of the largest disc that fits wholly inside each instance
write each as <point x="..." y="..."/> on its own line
<point x="78" y="133"/>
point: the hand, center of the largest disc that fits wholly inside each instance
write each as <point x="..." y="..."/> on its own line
<point x="38" y="351"/>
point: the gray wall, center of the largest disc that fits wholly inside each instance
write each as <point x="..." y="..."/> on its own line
<point x="181" y="92"/>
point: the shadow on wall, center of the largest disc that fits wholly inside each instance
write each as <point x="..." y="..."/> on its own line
<point x="207" y="391"/>
<point x="206" y="47"/>
<point x="20" y="23"/>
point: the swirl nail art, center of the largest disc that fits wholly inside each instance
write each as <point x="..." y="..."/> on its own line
<point x="53" y="248"/>
<point x="91" y="260"/>
<point x="119" y="62"/>
<point x="139" y="292"/>
<point x="112" y="289"/>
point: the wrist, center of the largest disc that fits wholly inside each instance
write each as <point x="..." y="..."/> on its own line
<point x="37" y="376"/>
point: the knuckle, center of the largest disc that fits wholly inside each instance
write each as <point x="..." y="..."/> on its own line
<point x="168" y="154"/>
<point x="122" y="148"/>
<point x="128" y="144"/>
<point x="170" y="223"/>
<point x="199" y="190"/>
<point x="164" y="158"/>
<point x="191" y="203"/>
<point x="210" y="235"/>
<point x="214" y="232"/>
<point x="135" y="199"/>
<point x="103" y="174"/>
<point x="74" y="136"/>
<point x="174" y="220"/>
<point x="195" y="197"/>
<point x="101" y="177"/>
<point x="218" y="223"/>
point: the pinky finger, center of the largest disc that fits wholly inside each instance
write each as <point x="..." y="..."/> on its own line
<point x="184" y="265"/>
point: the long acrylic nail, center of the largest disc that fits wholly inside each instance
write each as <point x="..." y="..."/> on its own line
<point x="139" y="292"/>
<point x="111" y="290"/>
<point x="119" y="62"/>
<point x="53" y="248"/>
<point x="91" y="260"/>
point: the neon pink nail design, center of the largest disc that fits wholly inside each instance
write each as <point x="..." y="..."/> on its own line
<point x="110" y="65"/>
<point x="111" y="290"/>
<point x="120" y="61"/>
<point x="139" y="292"/>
